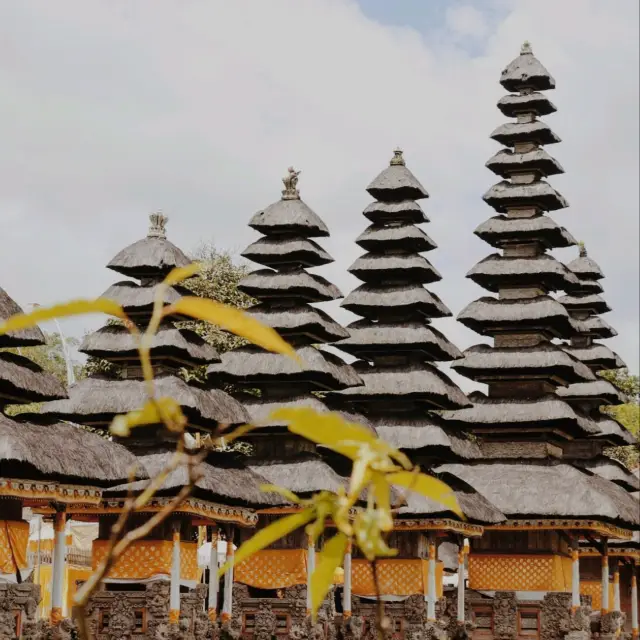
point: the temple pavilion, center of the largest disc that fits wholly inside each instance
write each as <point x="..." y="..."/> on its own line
<point x="533" y="421"/>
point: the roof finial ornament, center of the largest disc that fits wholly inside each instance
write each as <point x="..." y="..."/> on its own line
<point x="398" y="159"/>
<point x="157" y="225"/>
<point x="582" y="249"/>
<point x="526" y="48"/>
<point x="290" y="181"/>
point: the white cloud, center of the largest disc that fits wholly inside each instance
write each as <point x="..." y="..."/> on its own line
<point x="466" y="20"/>
<point x="113" y="109"/>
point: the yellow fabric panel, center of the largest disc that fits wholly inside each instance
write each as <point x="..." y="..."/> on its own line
<point x="593" y="588"/>
<point x="189" y="561"/>
<point x="44" y="580"/>
<point x="396" y="577"/>
<point x="46" y="544"/>
<point x="14" y="539"/>
<point x="519" y="572"/>
<point x="273" y="569"/>
<point x="74" y="574"/>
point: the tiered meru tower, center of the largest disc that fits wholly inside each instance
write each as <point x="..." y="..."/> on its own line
<point x="226" y="491"/>
<point x="286" y="292"/>
<point x="396" y="348"/>
<point x="522" y="423"/>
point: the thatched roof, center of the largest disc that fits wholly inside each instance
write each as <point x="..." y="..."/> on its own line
<point x="594" y="326"/>
<point x="64" y="451"/>
<point x="421" y="432"/>
<point x="368" y="339"/>
<point x="586" y="268"/>
<point x="507" y="162"/>
<point x="299" y="323"/>
<point x="504" y="195"/>
<point x="396" y="183"/>
<point x="526" y="71"/>
<point x="488" y="315"/>
<point x="547" y="489"/>
<point x="520" y="415"/>
<point x="417" y="381"/>
<point x="139" y="300"/>
<point x="589" y="302"/>
<point x="23" y="381"/>
<point x="275" y="251"/>
<point x="379" y="301"/>
<point x="288" y="285"/>
<point x="115" y="342"/>
<point x="399" y="267"/>
<point x="535" y="131"/>
<point x="303" y="474"/>
<point x="476" y="507"/>
<point x="484" y="362"/>
<point x="223" y="479"/>
<point x="289" y="216"/>
<point x="599" y="391"/>
<point x="251" y="366"/>
<point x="399" y="237"/>
<point x="26" y="337"/>
<point x="588" y="286"/>
<point x="597" y="356"/>
<point x="496" y="271"/>
<point x="408" y="211"/>
<point x="534" y="102"/>
<point x="97" y="401"/>
<point x="500" y="230"/>
<point x="151" y="256"/>
<point x="613" y="432"/>
<point x="612" y="470"/>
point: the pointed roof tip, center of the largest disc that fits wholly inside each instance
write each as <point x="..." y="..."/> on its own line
<point x="526" y="48"/>
<point x="526" y="72"/>
<point x="157" y="225"/>
<point x="398" y="158"/>
<point x="290" y="181"/>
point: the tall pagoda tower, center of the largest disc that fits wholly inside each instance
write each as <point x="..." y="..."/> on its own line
<point x="522" y="423"/>
<point x="49" y="469"/>
<point x="396" y="348"/>
<point x="226" y="490"/>
<point x="286" y="291"/>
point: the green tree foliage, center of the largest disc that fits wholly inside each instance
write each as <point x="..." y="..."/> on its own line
<point x="627" y="414"/>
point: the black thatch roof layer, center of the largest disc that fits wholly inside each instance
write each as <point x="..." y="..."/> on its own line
<point x="590" y="302"/>
<point x="65" y="452"/>
<point x="289" y="285"/>
<point x="612" y="470"/>
<point x="505" y="195"/>
<point x="585" y="267"/>
<point x="393" y="212"/>
<point x="535" y="102"/>
<point x="31" y="337"/>
<point x="483" y="363"/>
<point x="401" y="237"/>
<point x="289" y="216"/>
<point x="276" y="251"/>
<point x="613" y="432"/>
<point x="251" y="366"/>
<point x="525" y="71"/>
<point x="223" y="479"/>
<point x="593" y="327"/>
<point x="137" y="300"/>
<point x="506" y="162"/>
<point x="601" y="392"/>
<point x="396" y="183"/>
<point x="23" y="381"/>
<point x="534" y="131"/>
<point x="95" y="401"/>
<point x="116" y="343"/>
<point x="411" y="267"/>
<point x="548" y="489"/>
<point x="597" y="356"/>
<point x="499" y="231"/>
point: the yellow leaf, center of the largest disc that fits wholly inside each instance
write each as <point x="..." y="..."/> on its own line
<point x="285" y="493"/>
<point x="73" y="308"/>
<point x="328" y="429"/>
<point x="382" y="492"/>
<point x="427" y="486"/>
<point x="330" y="559"/>
<point x="161" y="410"/>
<point x="267" y="536"/>
<point x="178" y="274"/>
<point x="232" y="320"/>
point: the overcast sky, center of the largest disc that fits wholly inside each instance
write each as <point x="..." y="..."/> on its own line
<point x="110" y="109"/>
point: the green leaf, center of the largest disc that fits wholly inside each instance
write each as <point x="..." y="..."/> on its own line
<point x="233" y="320"/>
<point x="269" y="535"/>
<point x="331" y="558"/>
<point x="74" y="308"/>
<point x="427" y="486"/>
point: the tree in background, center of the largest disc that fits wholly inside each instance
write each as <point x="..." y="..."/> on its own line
<point x="627" y="414"/>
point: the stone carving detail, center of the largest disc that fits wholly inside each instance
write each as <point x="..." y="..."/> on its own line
<point x="352" y="628"/>
<point x="505" y="615"/>
<point x="449" y="619"/>
<point x="156" y="602"/>
<point x="265" y="622"/>
<point x="122" y="620"/>
<point x="610" y="624"/>
<point x="18" y="599"/>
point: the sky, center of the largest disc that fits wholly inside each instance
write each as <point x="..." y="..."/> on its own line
<point x="111" y="110"/>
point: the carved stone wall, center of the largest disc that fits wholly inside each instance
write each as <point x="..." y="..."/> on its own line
<point x="18" y="608"/>
<point x="505" y="615"/>
<point x="557" y="620"/>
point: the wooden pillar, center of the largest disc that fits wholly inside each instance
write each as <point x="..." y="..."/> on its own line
<point x="346" y="596"/>
<point x="605" y="577"/>
<point x="227" y="604"/>
<point x="616" y="587"/>
<point x="212" y="606"/>
<point x="311" y="565"/>
<point x="462" y="552"/>
<point x="174" y="592"/>
<point x="432" y="595"/>
<point x="575" y="575"/>
<point x="59" y="562"/>
<point x="635" y="627"/>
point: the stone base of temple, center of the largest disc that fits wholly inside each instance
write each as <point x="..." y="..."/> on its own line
<point x="18" y="609"/>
